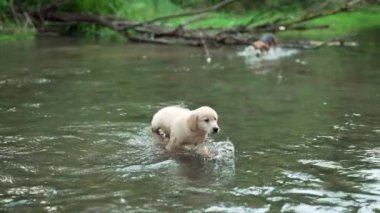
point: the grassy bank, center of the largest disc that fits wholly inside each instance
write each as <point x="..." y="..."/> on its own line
<point x="11" y="31"/>
<point x="340" y="24"/>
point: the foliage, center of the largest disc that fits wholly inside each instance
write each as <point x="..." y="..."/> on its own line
<point x="13" y="28"/>
<point x="237" y="13"/>
<point x="13" y="32"/>
<point x="130" y="9"/>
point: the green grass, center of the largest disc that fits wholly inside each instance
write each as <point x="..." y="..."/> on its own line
<point x="341" y="24"/>
<point x="10" y="37"/>
<point x="216" y="20"/>
<point x="131" y="9"/>
<point x="225" y="20"/>
<point x="14" y="32"/>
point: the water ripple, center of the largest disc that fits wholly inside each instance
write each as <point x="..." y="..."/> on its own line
<point x="322" y="163"/>
<point x="133" y="169"/>
<point x="302" y="177"/>
<point x="253" y="190"/>
<point x="34" y="190"/>
<point x="302" y="208"/>
<point x="232" y="209"/>
<point x="18" y="82"/>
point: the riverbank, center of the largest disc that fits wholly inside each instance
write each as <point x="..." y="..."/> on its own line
<point x="339" y="25"/>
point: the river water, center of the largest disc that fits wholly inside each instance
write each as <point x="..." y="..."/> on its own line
<point x="74" y="128"/>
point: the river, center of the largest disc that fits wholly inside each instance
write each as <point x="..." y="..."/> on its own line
<point x="75" y="115"/>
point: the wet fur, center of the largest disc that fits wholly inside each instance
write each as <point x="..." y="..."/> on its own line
<point x="265" y="43"/>
<point x="177" y="127"/>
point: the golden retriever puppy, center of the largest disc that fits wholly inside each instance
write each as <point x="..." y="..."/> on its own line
<point x="179" y="127"/>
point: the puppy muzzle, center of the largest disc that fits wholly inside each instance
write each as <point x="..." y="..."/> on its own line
<point x="215" y="130"/>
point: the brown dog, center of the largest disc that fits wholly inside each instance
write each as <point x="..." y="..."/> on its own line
<point x="264" y="44"/>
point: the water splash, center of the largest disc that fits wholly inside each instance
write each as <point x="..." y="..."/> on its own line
<point x="250" y="54"/>
<point x="222" y="151"/>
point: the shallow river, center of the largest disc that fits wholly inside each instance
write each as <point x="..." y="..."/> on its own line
<point x="74" y="128"/>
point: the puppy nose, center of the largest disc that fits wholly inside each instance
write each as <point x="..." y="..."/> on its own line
<point x="215" y="129"/>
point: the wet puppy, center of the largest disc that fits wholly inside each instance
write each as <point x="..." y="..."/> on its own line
<point x="178" y="127"/>
<point x="264" y="44"/>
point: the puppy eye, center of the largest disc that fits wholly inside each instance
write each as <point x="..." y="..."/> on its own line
<point x="207" y="120"/>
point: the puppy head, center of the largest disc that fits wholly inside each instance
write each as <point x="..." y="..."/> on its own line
<point x="204" y="119"/>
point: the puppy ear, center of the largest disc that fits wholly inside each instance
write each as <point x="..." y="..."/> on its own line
<point x="192" y="122"/>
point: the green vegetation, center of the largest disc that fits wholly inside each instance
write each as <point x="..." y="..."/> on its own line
<point x="131" y="9"/>
<point x="14" y="27"/>
<point x="341" y="24"/>
<point x="12" y="31"/>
